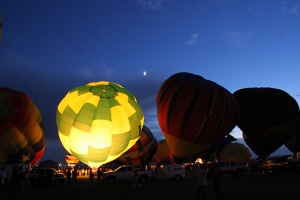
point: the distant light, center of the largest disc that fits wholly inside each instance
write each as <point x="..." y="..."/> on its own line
<point x="145" y="73"/>
<point x="199" y="160"/>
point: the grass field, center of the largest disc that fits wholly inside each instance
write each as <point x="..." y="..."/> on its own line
<point x="249" y="186"/>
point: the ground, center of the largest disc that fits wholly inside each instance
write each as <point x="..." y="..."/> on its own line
<point x="250" y="185"/>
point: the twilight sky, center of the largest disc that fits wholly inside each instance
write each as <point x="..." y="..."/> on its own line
<point x="51" y="46"/>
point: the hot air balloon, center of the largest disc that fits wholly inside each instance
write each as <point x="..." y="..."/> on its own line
<point x="49" y="164"/>
<point x="142" y="152"/>
<point x="163" y="153"/>
<point x="194" y="113"/>
<point x="252" y="145"/>
<point x="217" y="148"/>
<point x="98" y="122"/>
<point x="71" y="160"/>
<point x="236" y="152"/>
<point x="21" y="129"/>
<point x="268" y="117"/>
<point x="293" y="142"/>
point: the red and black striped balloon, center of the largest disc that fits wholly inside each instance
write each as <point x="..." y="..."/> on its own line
<point x="194" y="113"/>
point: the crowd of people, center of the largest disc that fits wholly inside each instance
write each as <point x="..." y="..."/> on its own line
<point x="72" y="174"/>
<point x="204" y="174"/>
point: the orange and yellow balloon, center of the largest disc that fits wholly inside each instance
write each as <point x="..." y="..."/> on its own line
<point x="98" y="122"/>
<point x="71" y="160"/>
<point x="21" y="129"/>
<point x="236" y="152"/>
<point x="163" y="153"/>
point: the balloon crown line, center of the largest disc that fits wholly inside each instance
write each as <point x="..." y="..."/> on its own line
<point x="104" y="91"/>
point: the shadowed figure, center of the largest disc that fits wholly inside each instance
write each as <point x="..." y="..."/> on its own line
<point x="216" y="175"/>
<point x="201" y="182"/>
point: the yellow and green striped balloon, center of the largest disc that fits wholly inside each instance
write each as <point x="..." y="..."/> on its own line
<point x="98" y="122"/>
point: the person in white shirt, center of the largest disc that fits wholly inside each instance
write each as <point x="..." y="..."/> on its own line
<point x="201" y="182"/>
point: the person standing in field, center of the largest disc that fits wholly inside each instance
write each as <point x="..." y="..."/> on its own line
<point x="201" y="182"/>
<point x="91" y="176"/>
<point x="216" y="175"/>
<point x="21" y="178"/>
<point x="69" y="177"/>
<point x="99" y="175"/>
<point x="2" y="182"/>
<point x="74" y="176"/>
<point x="136" y="178"/>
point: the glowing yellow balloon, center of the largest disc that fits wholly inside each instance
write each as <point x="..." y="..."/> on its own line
<point x="98" y="122"/>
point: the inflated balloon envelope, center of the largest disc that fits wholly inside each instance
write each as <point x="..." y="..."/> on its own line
<point x="163" y="152"/>
<point x="236" y="152"/>
<point x="22" y="138"/>
<point x="268" y="117"/>
<point x="142" y="152"/>
<point x="71" y="160"/>
<point x="98" y="122"/>
<point x="194" y="113"/>
<point x="293" y="143"/>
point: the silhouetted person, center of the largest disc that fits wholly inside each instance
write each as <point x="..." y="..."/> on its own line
<point x="201" y="182"/>
<point x="41" y="179"/>
<point x="136" y="178"/>
<point x="99" y="174"/>
<point x="69" y="176"/>
<point x="2" y="182"/>
<point x="91" y="176"/>
<point x="49" y="177"/>
<point x="21" y="178"/>
<point x="216" y="175"/>
<point x="74" y="176"/>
